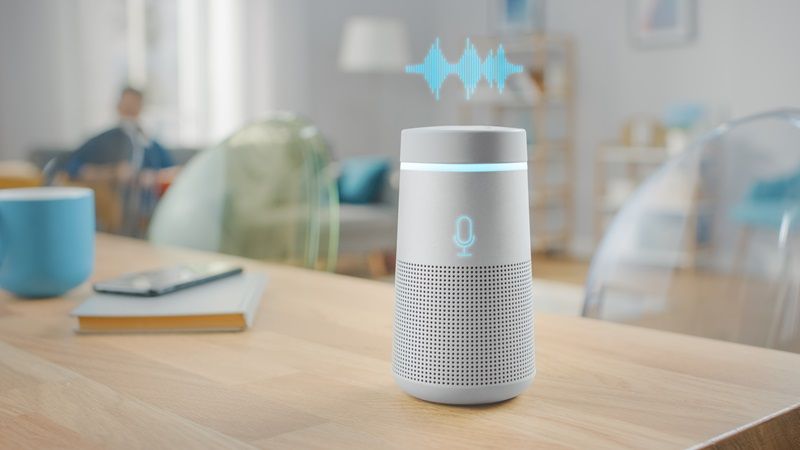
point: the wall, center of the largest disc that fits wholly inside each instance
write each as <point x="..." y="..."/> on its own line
<point x="49" y="57"/>
<point x="744" y="60"/>
<point x="276" y="66"/>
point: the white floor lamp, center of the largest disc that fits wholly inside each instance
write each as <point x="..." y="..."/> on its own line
<point x="374" y="45"/>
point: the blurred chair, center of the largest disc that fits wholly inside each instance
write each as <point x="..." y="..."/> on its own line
<point x="709" y="244"/>
<point x="125" y="195"/>
<point x="266" y="192"/>
<point x="19" y="174"/>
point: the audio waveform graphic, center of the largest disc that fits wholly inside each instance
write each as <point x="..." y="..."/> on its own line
<point x="470" y="69"/>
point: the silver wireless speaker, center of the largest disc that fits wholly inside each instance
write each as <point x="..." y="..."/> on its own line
<point x="463" y="326"/>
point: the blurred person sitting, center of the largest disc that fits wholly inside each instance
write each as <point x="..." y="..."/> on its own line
<point x="126" y="146"/>
<point x="125" y="167"/>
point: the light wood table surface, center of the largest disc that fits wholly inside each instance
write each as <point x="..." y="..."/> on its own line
<point x="314" y="372"/>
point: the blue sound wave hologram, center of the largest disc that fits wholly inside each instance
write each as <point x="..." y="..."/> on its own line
<point x="469" y="69"/>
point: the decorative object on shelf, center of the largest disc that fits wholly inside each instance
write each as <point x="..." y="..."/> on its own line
<point x="683" y="115"/>
<point x="682" y="121"/>
<point x="516" y="16"/>
<point x="537" y="75"/>
<point x="525" y="88"/>
<point x="659" y="23"/>
<point x="642" y="131"/>
<point x="557" y="83"/>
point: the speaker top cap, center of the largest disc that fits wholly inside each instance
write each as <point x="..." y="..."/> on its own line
<point x="463" y="145"/>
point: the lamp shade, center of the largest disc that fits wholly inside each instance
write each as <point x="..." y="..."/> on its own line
<point x="374" y="44"/>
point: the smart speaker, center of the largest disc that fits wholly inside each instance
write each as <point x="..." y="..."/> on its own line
<point x="463" y="326"/>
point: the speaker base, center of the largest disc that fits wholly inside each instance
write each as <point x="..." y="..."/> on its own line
<point x="463" y="395"/>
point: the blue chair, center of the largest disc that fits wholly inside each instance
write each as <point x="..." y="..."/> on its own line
<point x="768" y="200"/>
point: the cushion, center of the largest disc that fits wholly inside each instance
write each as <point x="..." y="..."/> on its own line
<point x="361" y="179"/>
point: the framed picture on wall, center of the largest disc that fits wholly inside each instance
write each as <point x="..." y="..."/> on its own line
<point x="516" y="16"/>
<point x="660" y="23"/>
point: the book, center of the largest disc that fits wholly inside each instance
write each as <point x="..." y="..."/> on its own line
<point x="229" y="304"/>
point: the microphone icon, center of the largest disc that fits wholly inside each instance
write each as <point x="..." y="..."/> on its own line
<point x="464" y="236"/>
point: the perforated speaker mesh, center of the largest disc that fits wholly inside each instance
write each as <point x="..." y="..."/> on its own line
<point x="463" y="326"/>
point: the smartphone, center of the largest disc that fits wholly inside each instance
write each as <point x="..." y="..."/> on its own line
<point x="162" y="281"/>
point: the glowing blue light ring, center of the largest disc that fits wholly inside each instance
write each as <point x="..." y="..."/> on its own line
<point x="447" y="167"/>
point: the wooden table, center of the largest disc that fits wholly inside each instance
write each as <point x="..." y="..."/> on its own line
<point x="314" y="372"/>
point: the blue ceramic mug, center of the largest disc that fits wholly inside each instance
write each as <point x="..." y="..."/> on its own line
<point x="46" y="239"/>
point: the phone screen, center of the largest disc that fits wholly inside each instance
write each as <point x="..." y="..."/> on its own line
<point x="162" y="281"/>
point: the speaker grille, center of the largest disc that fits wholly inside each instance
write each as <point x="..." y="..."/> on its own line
<point x="463" y="326"/>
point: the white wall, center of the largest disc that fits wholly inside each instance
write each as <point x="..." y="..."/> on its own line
<point x="745" y="59"/>
<point x="51" y="53"/>
<point x="276" y="66"/>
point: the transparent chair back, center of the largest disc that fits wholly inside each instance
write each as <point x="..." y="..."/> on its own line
<point x="266" y="192"/>
<point x="710" y="244"/>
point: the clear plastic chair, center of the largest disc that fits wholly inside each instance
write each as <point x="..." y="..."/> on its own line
<point x="709" y="244"/>
<point x="266" y="192"/>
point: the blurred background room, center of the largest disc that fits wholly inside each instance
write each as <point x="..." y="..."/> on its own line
<point x="271" y="129"/>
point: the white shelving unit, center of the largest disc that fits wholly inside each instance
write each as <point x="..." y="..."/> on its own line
<point x="621" y="168"/>
<point x="627" y="167"/>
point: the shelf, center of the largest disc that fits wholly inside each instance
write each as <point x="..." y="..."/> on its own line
<point x="544" y="100"/>
<point x="543" y="146"/>
<point x="535" y="42"/>
<point x="543" y="240"/>
<point x="619" y="154"/>
<point x="545" y="206"/>
<point x="545" y="198"/>
<point x="557" y="156"/>
<point x="607" y="209"/>
<point x="661" y="258"/>
<point x="551" y="189"/>
<point x="695" y="210"/>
